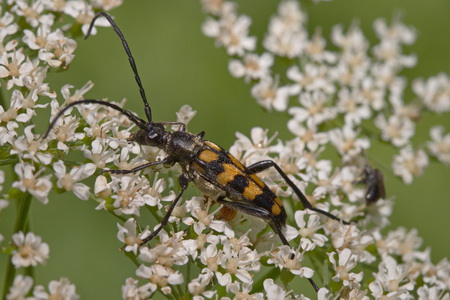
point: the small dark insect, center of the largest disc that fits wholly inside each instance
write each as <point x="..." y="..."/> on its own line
<point x="374" y="181"/>
<point x="217" y="173"/>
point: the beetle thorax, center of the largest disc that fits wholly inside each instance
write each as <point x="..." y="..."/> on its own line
<point x="183" y="146"/>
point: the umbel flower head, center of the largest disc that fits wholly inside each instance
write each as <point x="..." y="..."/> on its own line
<point x="341" y="94"/>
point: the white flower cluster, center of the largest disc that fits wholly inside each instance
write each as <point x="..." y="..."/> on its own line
<point x="345" y="88"/>
<point x="333" y="97"/>
<point x="37" y="37"/>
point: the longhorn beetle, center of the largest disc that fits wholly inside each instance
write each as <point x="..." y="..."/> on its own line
<point x="217" y="173"/>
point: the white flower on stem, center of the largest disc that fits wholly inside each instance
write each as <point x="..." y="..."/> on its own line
<point x="315" y="108"/>
<point x="34" y="82"/>
<point x="403" y="243"/>
<point x="33" y="13"/>
<point x="59" y="49"/>
<point x="29" y="250"/>
<point x="285" y="257"/>
<point x="289" y="44"/>
<point x="61" y="289"/>
<point x="439" y="145"/>
<point x="83" y="13"/>
<point x="12" y="115"/>
<point x="342" y="236"/>
<point x="198" y="285"/>
<point x="269" y="95"/>
<point x="351" y="41"/>
<point x="185" y="114"/>
<point x="372" y="94"/>
<point x="69" y="181"/>
<point x="289" y="18"/>
<point x="434" y="92"/>
<point x="128" y="235"/>
<point x="274" y="291"/>
<point x="409" y="163"/>
<point x="70" y="96"/>
<point x="243" y="291"/>
<point x="154" y="195"/>
<point x="352" y="105"/>
<point x="315" y="49"/>
<point x="391" y="280"/>
<point x="20" y="288"/>
<point x="396" y="129"/>
<point x="102" y="188"/>
<point x="290" y="157"/>
<point x="64" y="129"/>
<point x="346" y="75"/>
<point x="397" y="31"/>
<point x="36" y="40"/>
<point x="347" y="261"/>
<point x="131" y="290"/>
<point x="426" y="292"/>
<point x="251" y="66"/>
<point x="8" y="133"/>
<point x="307" y="230"/>
<point x="231" y="32"/>
<point x="14" y="66"/>
<point x="308" y="134"/>
<point x="347" y="142"/>
<point x="345" y="180"/>
<point x="29" y="181"/>
<point x="9" y="27"/>
<point x="160" y="276"/>
<point x="312" y="78"/>
<point x="393" y="37"/>
<point x="250" y="150"/>
<point x="99" y="153"/>
<point x="242" y="263"/>
<point x="211" y="257"/>
<point x="29" y="146"/>
<point x="129" y="193"/>
<point x="169" y="252"/>
<point x="390" y="52"/>
<point x="286" y="36"/>
<point x="202" y="218"/>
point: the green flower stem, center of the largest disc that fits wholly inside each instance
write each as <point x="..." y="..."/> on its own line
<point x="132" y="257"/>
<point x="12" y="161"/>
<point x="21" y="223"/>
<point x="22" y="213"/>
<point x="2" y="99"/>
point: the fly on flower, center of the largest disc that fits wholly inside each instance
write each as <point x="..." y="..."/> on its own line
<point x="374" y="181"/>
<point x="216" y="173"/>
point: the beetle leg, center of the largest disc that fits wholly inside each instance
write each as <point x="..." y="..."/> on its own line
<point x="166" y="161"/>
<point x="265" y="164"/>
<point x="183" y="181"/>
<point x="266" y="215"/>
<point x="257" y="212"/>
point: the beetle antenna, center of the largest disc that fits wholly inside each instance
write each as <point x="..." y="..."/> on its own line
<point x="136" y="120"/>
<point x="148" y="111"/>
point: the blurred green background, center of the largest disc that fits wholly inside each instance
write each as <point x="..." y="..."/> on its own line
<point x="178" y="65"/>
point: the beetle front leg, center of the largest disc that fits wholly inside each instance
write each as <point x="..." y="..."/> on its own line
<point x="265" y="164"/>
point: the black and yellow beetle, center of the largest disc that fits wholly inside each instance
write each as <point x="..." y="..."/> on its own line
<point x="217" y="173"/>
